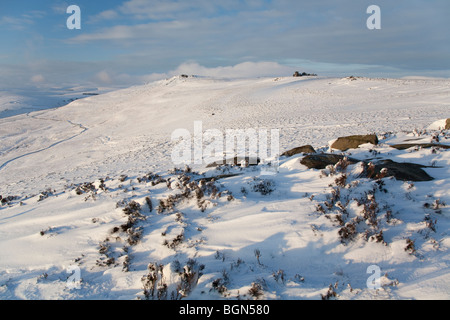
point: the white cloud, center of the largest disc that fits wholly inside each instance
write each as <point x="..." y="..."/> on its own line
<point x="233" y="31"/>
<point x="104" y="15"/>
<point x="103" y="77"/>
<point x="23" y="21"/>
<point x="238" y="71"/>
<point x="140" y="33"/>
<point x="60" y="7"/>
<point x="16" y="23"/>
<point x="241" y="70"/>
<point x="37" y="79"/>
<point x="166" y="9"/>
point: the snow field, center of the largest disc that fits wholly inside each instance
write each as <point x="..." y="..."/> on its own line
<point x="90" y="202"/>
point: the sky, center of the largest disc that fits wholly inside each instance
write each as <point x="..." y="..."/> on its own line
<point x="128" y="42"/>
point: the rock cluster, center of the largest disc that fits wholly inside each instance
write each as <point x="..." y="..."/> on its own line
<point x="373" y="169"/>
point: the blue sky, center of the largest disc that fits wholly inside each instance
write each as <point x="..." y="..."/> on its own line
<point x="126" y="42"/>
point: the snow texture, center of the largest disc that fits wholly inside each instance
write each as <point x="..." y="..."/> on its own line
<point x="92" y="206"/>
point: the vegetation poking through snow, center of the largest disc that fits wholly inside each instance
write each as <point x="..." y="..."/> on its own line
<point x="203" y="191"/>
<point x="151" y="177"/>
<point x="263" y="186"/>
<point x="256" y="290"/>
<point x="331" y="293"/>
<point x="45" y="194"/>
<point x="220" y="284"/>
<point x="183" y="214"/>
<point x="157" y="286"/>
<point x="154" y="282"/>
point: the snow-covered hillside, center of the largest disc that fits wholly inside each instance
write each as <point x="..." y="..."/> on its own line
<point x="90" y="193"/>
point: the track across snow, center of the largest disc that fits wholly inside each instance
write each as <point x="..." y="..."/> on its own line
<point x="83" y="129"/>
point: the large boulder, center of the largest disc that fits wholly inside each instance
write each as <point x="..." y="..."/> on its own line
<point x="322" y="160"/>
<point x="353" y="142"/>
<point x="302" y="149"/>
<point x="401" y="171"/>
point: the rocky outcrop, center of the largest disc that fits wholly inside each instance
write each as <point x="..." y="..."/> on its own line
<point x="248" y="161"/>
<point x="353" y="142"/>
<point x="376" y="170"/>
<point x="304" y="74"/>
<point x="303" y="149"/>
<point x="404" y="146"/>
<point x="322" y="160"/>
<point x="401" y="171"/>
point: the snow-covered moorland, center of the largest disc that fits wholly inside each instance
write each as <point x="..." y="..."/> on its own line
<point x="92" y="206"/>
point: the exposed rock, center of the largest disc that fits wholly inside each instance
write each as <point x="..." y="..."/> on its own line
<point x="353" y="142"/>
<point x="249" y="161"/>
<point x="302" y="149"/>
<point x="400" y="171"/>
<point x="442" y="124"/>
<point x="304" y="74"/>
<point x="7" y="200"/>
<point x="221" y="176"/>
<point x="404" y="146"/>
<point x="321" y="161"/>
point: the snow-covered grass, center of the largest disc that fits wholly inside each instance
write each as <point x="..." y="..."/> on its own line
<point x="90" y="187"/>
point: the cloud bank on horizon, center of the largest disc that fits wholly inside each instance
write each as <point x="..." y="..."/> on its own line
<point x="129" y="42"/>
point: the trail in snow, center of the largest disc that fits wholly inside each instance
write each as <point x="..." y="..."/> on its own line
<point x="84" y="129"/>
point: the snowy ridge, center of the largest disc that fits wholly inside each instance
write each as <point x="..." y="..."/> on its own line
<point x="90" y="187"/>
